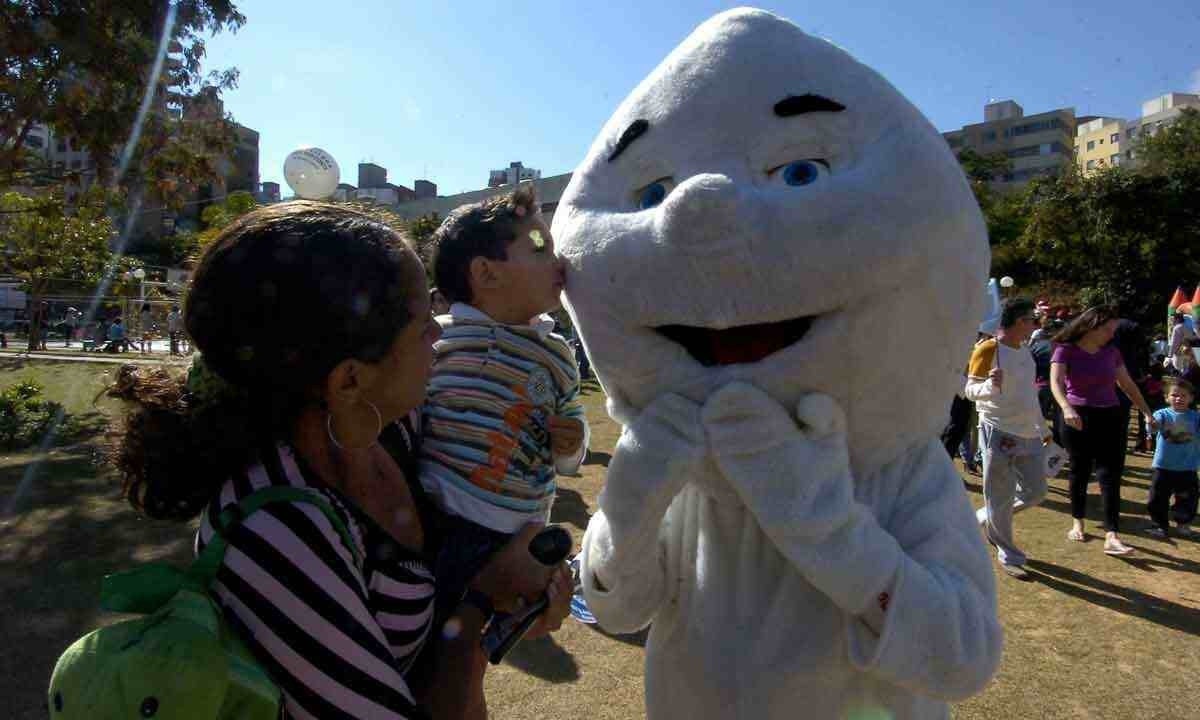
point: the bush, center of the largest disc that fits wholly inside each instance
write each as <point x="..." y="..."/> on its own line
<point x="25" y="416"/>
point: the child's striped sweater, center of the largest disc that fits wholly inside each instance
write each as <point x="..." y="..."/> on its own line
<point x="485" y="453"/>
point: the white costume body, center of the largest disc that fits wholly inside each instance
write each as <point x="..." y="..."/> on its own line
<point x="756" y="511"/>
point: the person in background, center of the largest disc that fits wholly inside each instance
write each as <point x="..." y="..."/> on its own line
<point x="438" y="303"/>
<point x="145" y="328"/>
<point x="1129" y="340"/>
<point x="116" y="337"/>
<point x="1042" y="348"/>
<point x="38" y="318"/>
<point x="1176" y="459"/>
<point x="1154" y="392"/>
<point x="1085" y="372"/>
<point x="71" y="324"/>
<point x="1000" y="380"/>
<point x="174" y="328"/>
<point x="1181" y="335"/>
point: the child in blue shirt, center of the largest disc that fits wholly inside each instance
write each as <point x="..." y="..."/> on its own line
<point x="1176" y="458"/>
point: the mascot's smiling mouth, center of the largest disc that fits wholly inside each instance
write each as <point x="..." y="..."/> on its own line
<point x="741" y="344"/>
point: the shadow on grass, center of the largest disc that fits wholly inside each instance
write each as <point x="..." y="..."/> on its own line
<point x="545" y="659"/>
<point x="70" y="530"/>
<point x="1116" y="597"/>
<point x="1095" y="507"/>
<point x="596" y="457"/>
<point x="638" y="638"/>
<point x="570" y="507"/>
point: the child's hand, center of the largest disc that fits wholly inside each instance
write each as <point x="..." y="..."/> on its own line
<point x="566" y="435"/>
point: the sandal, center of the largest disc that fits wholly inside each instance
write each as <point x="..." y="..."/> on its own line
<point x="1075" y="535"/>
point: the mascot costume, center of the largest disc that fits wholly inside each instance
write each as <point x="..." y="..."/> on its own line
<point x="774" y="262"/>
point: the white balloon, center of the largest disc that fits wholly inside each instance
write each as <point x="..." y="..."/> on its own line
<point x="311" y="173"/>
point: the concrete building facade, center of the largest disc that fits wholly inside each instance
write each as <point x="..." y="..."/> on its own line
<point x="374" y="187"/>
<point x="1099" y="143"/>
<point x="1157" y="114"/>
<point x="1035" y="144"/>
<point x="516" y="172"/>
<point x="549" y="191"/>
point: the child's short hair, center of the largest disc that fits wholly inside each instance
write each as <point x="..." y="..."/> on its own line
<point x="484" y="229"/>
<point x="1177" y="382"/>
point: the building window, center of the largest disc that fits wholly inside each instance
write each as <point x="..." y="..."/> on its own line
<point x="1114" y="159"/>
<point x="1027" y="151"/>
<point x="62" y="146"/>
<point x="1129" y="134"/>
<point x="1116" y="138"/>
<point x="76" y="164"/>
<point x="1091" y="164"/>
<point x="989" y="136"/>
<point x="1091" y="145"/>
<point x="1128" y="154"/>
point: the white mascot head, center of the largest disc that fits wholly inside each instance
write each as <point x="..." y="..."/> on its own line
<point x="765" y="208"/>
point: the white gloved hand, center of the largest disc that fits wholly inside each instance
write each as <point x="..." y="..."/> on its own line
<point x="656" y="455"/>
<point x="793" y="473"/>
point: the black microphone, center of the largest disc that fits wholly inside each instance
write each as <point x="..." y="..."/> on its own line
<point x="550" y="547"/>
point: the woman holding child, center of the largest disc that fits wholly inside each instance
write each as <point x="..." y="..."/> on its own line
<point x="1085" y="371"/>
<point x="272" y="403"/>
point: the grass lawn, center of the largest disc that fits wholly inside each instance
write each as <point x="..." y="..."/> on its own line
<point x="1090" y="637"/>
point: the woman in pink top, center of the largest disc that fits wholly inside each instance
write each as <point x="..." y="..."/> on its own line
<point x="1084" y="374"/>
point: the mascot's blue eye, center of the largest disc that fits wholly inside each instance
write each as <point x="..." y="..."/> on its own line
<point x="802" y="172"/>
<point x="653" y="194"/>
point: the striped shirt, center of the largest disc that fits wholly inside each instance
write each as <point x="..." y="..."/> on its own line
<point x="336" y="636"/>
<point x="485" y="452"/>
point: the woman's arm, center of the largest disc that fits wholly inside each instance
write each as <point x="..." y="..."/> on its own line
<point x="457" y="687"/>
<point x="1130" y="388"/>
<point x="1058" y="386"/>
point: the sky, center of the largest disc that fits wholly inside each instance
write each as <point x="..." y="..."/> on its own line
<point x="449" y="91"/>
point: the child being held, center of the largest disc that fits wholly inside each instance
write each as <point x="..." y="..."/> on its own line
<point x="1176" y="459"/>
<point x="502" y="416"/>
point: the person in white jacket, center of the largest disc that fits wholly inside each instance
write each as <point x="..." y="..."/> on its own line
<point x="1012" y="432"/>
<point x="779" y="507"/>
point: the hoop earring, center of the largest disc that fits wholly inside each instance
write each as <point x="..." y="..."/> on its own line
<point x="334" y="440"/>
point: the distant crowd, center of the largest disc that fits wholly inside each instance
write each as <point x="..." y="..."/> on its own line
<point x="1041" y="386"/>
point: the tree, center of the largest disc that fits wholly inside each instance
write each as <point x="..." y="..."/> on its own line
<point x="1004" y="211"/>
<point x="420" y="231"/>
<point x="190" y="246"/>
<point x="1115" y="236"/>
<point x="83" y="67"/>
<point x="983" y="169"/>
<point x="43" y="243"/>
<point x="1175" y="150"/>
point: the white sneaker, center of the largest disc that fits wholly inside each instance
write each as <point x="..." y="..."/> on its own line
<point x="1117" y="548"/>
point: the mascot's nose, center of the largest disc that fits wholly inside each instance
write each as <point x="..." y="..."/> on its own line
<point x="703" y="215"/>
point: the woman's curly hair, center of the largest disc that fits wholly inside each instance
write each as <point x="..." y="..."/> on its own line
<point x="279" y="299"/>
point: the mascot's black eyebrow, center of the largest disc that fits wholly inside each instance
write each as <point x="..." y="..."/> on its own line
<point x="801" y="104"/>
<point x="636" y="129"/>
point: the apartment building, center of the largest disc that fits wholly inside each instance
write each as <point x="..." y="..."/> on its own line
<point x="1100" y="142"/>
<point x="1035" y="144"/>
<point x="1157" y="113"/>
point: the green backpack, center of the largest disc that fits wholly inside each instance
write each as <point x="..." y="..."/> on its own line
<point x="181" y="661"/>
